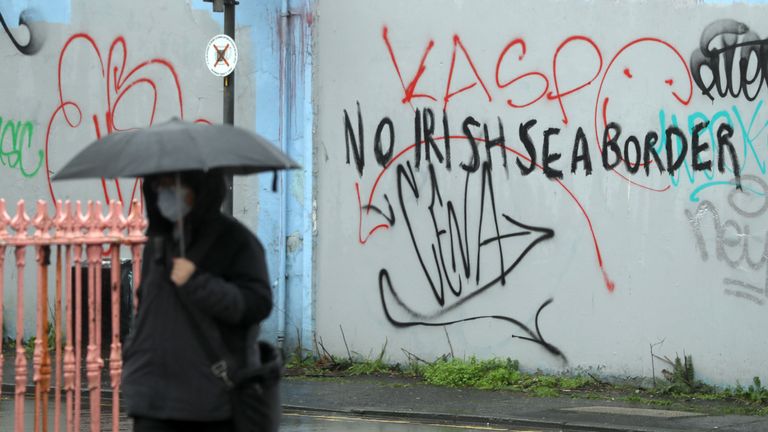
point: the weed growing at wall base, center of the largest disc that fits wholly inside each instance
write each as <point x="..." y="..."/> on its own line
<point x="485" y="374"/>
<point x="499" y="374"/>
<point x="682" y="392"/>
<point x="682" y="379"/>
<point x="755" y="393"/>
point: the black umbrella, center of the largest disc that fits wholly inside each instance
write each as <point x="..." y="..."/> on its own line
<point x="176" y="146"/>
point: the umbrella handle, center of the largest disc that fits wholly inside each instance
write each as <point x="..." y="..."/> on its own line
<point x="180" y="221"/>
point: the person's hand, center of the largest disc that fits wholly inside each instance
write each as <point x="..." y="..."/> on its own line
<point x="182" y="271"/>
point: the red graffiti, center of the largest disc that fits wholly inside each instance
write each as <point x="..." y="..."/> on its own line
<point x="410" y="90"/>
<point x="601" y="102"/>
<point x="594" y="60"/>
<point x="448" y="93"/>
<point x="559" y="95"/>
<point x="539" y="75"/>
<point x="458" y="46"/>
<point x="118" y="81"/>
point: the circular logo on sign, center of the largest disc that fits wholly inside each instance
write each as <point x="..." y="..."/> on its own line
<point x="221" y="55"/>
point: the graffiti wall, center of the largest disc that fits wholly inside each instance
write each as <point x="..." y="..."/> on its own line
<point x="68" y="78"/>
<point x="571" y="184"/>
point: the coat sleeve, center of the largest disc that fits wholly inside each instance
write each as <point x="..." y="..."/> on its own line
<point x="242" y="295"/>
<point x="146" y="258"/>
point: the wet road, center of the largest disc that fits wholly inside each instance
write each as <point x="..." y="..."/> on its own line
<point x="303" y="422"/>
<point x="291" y="422"/>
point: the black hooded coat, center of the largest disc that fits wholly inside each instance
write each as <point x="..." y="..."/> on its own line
<point x="166" y="373"/>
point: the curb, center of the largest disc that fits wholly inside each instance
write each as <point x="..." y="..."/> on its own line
<point x="9" y="390"/>
<point x="471" y="419"/>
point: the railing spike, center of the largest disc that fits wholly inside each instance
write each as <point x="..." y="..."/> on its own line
<point x="20" y="222"/>
<point x="5" y="220"/>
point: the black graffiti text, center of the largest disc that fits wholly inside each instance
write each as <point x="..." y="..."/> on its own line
<point x="735" y="60"/>
<point x="542" y="147"/>
<point x="460" y="257"/>
<point x="35" y="41"/>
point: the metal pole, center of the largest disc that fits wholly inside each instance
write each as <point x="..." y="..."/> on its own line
<point x="229" y="94"/>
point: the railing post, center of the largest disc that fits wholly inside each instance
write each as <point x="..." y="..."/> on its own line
<point x="65" y="232"/>
<point x="42" y="358"/>
<point x="20" y="223"/>
<point x="78" y="334"/>
<point x="69" y="355"/>
<point x="93" y="359"/>
<point x="115" y="355"/>
<point x="60" y="224"/>
<point x="57" y="342"/>
<point x="79" y="226"/>
<point x="5" y="221"/>
<point x="2" y="304"/>
<point x="21" y="361"/>
<point x="116" y="224"/>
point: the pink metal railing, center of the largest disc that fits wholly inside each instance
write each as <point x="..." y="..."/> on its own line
<point x="72" y="232"/>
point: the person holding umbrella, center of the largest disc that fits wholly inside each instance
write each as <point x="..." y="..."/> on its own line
<point x="204" y="285"/>
<point x="167" y="382"/>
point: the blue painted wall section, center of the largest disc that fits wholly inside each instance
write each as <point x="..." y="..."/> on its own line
<point x="281" y="40"/>
<point x="52" y="11"/>
<point x="732" y="1"/>
<point x="296" y="186"/>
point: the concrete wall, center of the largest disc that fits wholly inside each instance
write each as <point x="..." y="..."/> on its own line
<point x="59" y="94"/>
<point x="63" y="94"/>
<point x="438" y="233"/>
<point x="584" y="271"/>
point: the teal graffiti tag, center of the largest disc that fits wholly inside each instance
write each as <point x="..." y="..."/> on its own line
<point x="15" y="139"/>
<point x="750" y="135"/>
<point x="750" y="138"/>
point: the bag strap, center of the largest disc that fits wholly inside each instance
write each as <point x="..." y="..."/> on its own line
<point x="269" y="372"/>
<point x="216" y="355"/>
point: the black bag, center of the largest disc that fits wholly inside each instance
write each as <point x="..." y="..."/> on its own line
<point x="254" y="389"/>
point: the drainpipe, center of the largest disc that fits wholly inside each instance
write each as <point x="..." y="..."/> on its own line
<point x="284" y="139"/>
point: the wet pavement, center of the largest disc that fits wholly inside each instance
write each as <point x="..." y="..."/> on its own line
<point x="402" y="398"/>
<point x="7" y="417"/>
<point x="291" y="422"/>
<point x="307" y="422"/>
<point x="388" y="403"/>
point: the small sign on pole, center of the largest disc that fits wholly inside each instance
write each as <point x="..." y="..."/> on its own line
<point x="221" y="55"/>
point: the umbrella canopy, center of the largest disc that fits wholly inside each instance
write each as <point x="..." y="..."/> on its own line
<point x="176" y="146"/>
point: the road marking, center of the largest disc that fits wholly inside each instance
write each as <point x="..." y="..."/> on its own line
<point x="394" y="421"/>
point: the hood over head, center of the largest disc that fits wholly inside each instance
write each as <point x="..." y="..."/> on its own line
<point x="209" y="189"/>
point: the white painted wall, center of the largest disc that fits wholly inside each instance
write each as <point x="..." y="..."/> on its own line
<point x="617" y="254"/>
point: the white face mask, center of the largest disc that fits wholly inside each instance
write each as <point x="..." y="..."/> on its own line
<point x="172" y="203"/>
